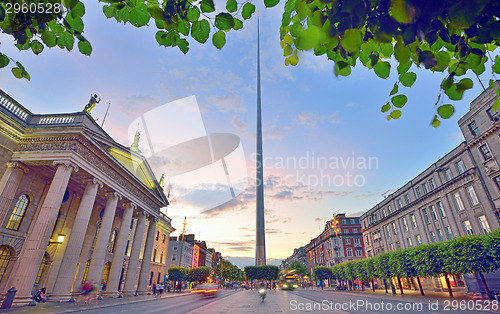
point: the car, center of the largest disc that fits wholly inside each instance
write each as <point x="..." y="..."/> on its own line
<point x="206" y="289"/>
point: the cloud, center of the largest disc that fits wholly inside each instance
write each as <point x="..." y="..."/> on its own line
<point x="309" y="119"/>
<point x="356" y="214"/>
<point x="351" y="105"/>
<point x="334" y="119"/>
<point x="318" y="219"/>
<point x="228" y="103"/>
<point x="239" y="125"/>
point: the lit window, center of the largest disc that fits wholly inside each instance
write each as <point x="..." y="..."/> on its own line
<point x="440" y="208"/>
<point x="484" y="224"/>
<point x="460" y="167"/>
<point x="405" y="225"/>
<point x="431" y="184"/>
<point x="448" y="174"/>
<point x="394" y="231"/>
<point x="485" y="152"/>
<point x="389" y="210"/>
<point x="391" y="246"/>
<point x="440" y="234"/>
<point x="5" y="255"/>
<point x="400" y="204"/>
<point x="419" y="239"/>
<point x="387" y="231"/>
<point x="41" y="269"/>
<point x="473" y="128"/>
<point x="18" y="213"/>
<point x="96" y="233"/>
<point x="112" y="242"/>
<point x="458" y="201"/>
<point x="413" y="221"/>
<point x="154" y="255"/>
<point x="472" y="195"/>
<point x="408" y="242"/>
<point x="433" y="213"/>
<point x="383" y="212"/>
<point x="449" y="235"/>
<point x="468" y="227"/>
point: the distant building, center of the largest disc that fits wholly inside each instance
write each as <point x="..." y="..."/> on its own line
<point x="298" y="255"/>
<point x="458" y="195"/>
<point x="339" y="242"/>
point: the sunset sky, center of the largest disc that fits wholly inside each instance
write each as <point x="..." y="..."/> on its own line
<point x="328" y="147"/>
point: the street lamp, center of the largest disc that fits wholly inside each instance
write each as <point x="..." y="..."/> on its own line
<point x="60" y="239"/>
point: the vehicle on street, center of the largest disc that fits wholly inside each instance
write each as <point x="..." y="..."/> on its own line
<point x="209" y="290"/>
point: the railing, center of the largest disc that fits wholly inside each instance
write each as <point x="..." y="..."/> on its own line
<point x="57" y="119"/>
<point x="165" y="217"/>
<point x="14" y="108"/>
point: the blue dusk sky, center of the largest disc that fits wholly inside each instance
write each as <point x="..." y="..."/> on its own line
<point x="328" y="148"/>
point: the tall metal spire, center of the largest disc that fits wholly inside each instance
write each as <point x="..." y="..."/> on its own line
<point x="260" y="243"/>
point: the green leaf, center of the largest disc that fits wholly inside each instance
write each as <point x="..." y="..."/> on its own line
<point x="248" y="10"/>
<point x="386" y="107"/>
<point x="309" y="38"/>
<point x="287" y="51"/>
<point x="447" y="83"/>
<point x="464" y="84"/>
<point x="399" y="101"/>
<point x="271" y="3"/>
<point x="238" y="24"/>
<point x="109" y="11"/>
<point x="382" y="69"/>
<point x="446" y="111"/>
<point x="496" y="66"/>
<point x="183" y="45"/>
<point x="17" y="72"/>
<point x="394" y="90"/>
<point x="193" y="14"/>
<point x="85" y="47"/>
<point x="496" y="105"/>
<point x="183" y="27"/>
<point x="231" y="5"/>
<point x="4" y="60"/>
<point x="404" y="67"/>
<point x="342" y="68"/>
<point x="78" y="10"/>
<point x="156" y="12"/>
<point x="401" y="52"/>
<point x="160" y="37"/>
<point x="69" y="40"/>
<point x="224" y="21"/>
<point x="453" y="93"/>
<point x="36" y="47"/>
<point x="207" y="6"/>
<point x="76" y="23"/>
<point x="49" y="38"/>
<point x="435" y="122"/>
<point x="396" y="114"/>
<point x="402" y="11"/>
<point x="219" y="39"/>
<point x="407" y="79"/>
<point x="139" y="16"/>
<point x="351" y="41"/>
<point x="200" y="30"/>
<point x="443" y="60"/>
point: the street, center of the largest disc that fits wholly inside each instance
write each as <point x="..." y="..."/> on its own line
<point x="247" y="301"/>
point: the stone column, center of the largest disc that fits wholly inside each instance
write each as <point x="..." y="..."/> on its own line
<point x="133" y="261"/>
<point x="36" y="242"/>
<point x="101" y="245"/>
<point x="119" y="252"/>
<point x="146" y="257"/>
<point x="74" y="245"/>
<point x="8" y="186"/>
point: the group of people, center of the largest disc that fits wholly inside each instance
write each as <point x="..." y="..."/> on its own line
<point x="89" y="292"/>
<point x="158" y="289"/>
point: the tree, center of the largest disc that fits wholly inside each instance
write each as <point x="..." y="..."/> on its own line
<point x="198" y="274"/>
<point x="299" y="268"/>
<point x="382" y="269"/>
<point x="177" y="274"/>
<point x="370" y="270"/>
<point x="321" y="273"/>
<point x="441" y="36"/>
<point x="269" y="272"/>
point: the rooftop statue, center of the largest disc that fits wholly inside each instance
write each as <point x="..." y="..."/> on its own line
<point x="92" y="102"/>
<point x="135" y="143"/>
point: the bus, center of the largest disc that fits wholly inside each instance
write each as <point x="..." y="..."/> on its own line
<point x="290" y="282"/>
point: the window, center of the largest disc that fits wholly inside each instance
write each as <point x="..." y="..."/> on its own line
<point x="400" y="204"/>
<point x="497" y="181"/>
<point x="96" y="233"/>
<point x="424" y="188"/>
<point x="151" y="279"/>
<point x="426" y="217"/>
<point x="126" y="249"/>
<point x="348" y="241"/>
<point x="391" y="246"/>
<point x="18" y="213"/>
<point x="405" y="225"/>
<point x="460" y="166"/>
<point x="387" y="231"/>
<point x="164" y="238"/>
<point x="335" y="242"/>
<point x="349" y="252"/>
<point x="394" y="231"/>
<point x="485" y="152"/>
<point x="383" y="213"/>
<point x="493" y="114"/>
<point x="433" y="238"/>
<point x="472" y="195"/>
<point x="5" y="254"/>
<point x="473" y="128"/>
<point x="389" y="209"/>
<point x="359" y="252"/>
<point x="356" y="241"/>
<point x="419" y="239"/>
<point x="354" y="230"/>
<point x="346" y="230"/>
<point x="433" y="213"/>
<point x="419" y="194"/>
<point x="161" y="257"/>
<point x="111" y="246"/>
<point x="131" y="224"/>
<point x="448" y="174"/>
<point x="398" y="245"/>
<point x="86" y="271"/>
<point x="449" y="235"/>
<point x="407" y="199"/>
<point x="413" y="221"/>
<point x="440" y="208"/>
<point x="367" y="240"/>
<point x="468" y="227"/>
<point x="154" y="255"/>
<point x="431" y="184"/>
<point x="484" y="224"/>
<point x="157" y="235"/>
<point x="408" y="242"/>
<point x="458" y="201"/>
<point x="105" y="272"/>
<point x="440" y="234"/>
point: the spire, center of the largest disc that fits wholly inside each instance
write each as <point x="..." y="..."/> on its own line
<point x="260" y="243"/>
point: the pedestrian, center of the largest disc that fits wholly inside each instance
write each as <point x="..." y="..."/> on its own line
<point x="154" y="289"/>
<point x="168" y="287"/>
<point x="161" y="289"/>
<point x="158" y="289"/>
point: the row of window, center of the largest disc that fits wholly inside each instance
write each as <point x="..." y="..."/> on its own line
<point x="347" y="241"/>
<point x="474" y="129"/>
<point x="153" y="258"/>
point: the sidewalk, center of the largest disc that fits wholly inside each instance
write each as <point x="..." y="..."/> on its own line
<point x="69" y="307"/>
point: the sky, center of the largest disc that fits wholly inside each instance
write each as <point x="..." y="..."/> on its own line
<point x="327" y="147"/>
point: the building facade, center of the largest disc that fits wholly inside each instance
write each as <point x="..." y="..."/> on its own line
<point x="160" y="251"/>
<point x="298" y="255"/>
<point x="456" y="196"/>
<point x="71" y="199"/>
<point x="340" y="241"/>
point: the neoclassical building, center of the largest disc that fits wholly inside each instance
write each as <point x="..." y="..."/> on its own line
<point x="75" y="206"/>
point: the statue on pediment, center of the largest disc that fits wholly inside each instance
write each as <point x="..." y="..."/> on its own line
<point x="92" y="102"/>
<point x="135" y="144"/>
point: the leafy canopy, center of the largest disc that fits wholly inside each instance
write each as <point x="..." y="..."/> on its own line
<point x="451" y="37"/>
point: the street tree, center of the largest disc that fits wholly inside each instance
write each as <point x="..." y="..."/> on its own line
<point x="299" y="268"/>
<point x="177" y="274"/>
<point x="322" y="273"/>
<point x="455" y="38"/>
<point x="198" y="274"/>
<point x="383" y="270"/>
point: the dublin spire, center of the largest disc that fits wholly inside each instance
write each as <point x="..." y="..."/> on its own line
<point x="260" y="241"/>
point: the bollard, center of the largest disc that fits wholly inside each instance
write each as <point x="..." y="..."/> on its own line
<point x="9" y="298"/>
